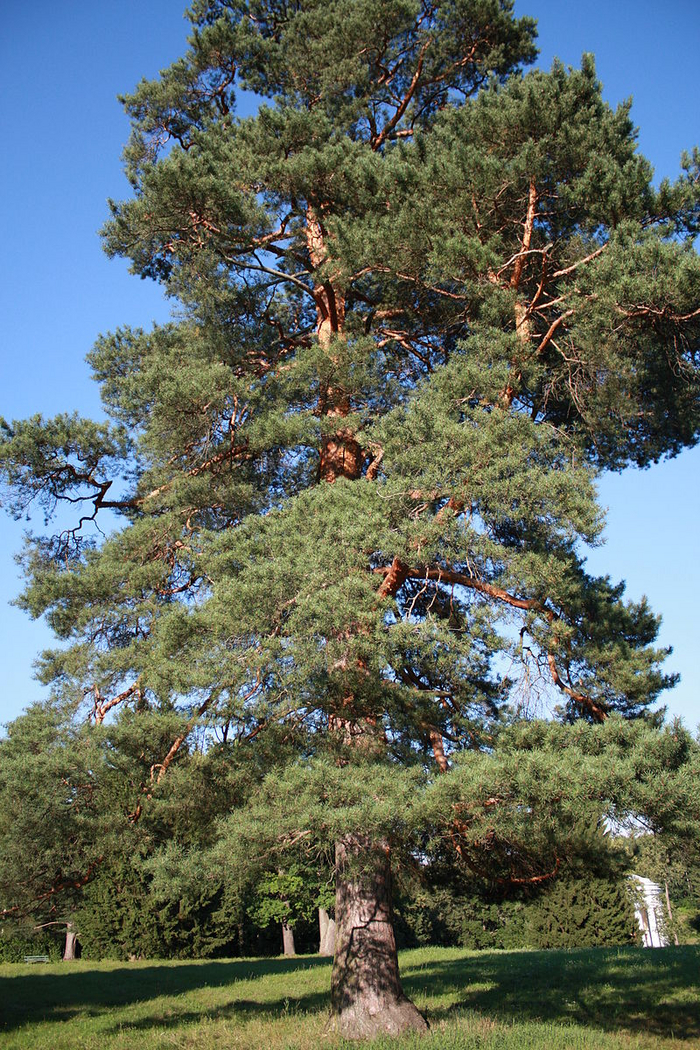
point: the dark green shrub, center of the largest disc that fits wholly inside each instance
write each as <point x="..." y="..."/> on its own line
<point x="570" y="913"/>
<point x="582" y="913"/>
<point x="121" y="918"/>
<point x="14" y="946"/>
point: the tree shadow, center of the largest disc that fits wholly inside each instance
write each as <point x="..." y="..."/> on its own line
<point x="654" y="991"/>
<point x="51" y="996"/>
<point x="613" y="989"/>
<point x="237" y="1009"/>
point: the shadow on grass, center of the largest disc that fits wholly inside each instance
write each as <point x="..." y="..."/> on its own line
<point x="238" y="1009"/>
<point x="37" y="996"/>
<point x="647" y="990"/>
<point x="653" y="991"/>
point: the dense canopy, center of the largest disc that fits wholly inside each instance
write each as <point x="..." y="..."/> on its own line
<point x="423" y="298"/>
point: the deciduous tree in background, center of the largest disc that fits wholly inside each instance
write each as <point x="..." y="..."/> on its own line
<point x="423" y="299"/>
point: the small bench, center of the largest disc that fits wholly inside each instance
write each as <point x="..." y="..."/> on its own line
<point x="36" y="958"/>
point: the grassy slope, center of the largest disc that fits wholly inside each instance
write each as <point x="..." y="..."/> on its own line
<point x="593" y="999"/>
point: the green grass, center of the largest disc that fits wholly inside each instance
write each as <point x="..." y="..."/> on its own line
<point x="592" y="999"/>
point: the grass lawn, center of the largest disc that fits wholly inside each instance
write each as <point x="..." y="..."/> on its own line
<point x="592" y="999"/>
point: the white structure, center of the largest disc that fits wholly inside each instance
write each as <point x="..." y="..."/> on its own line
<point x="648" y="909"/>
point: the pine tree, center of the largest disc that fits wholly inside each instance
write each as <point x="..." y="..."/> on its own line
<point x="424" y="298"/>
<point x="52" y="822"/>
<point x="583" y="914"/>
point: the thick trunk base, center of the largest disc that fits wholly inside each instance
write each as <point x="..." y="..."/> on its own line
<point x="393" y="1019"/>
<point x="367" y="999"/>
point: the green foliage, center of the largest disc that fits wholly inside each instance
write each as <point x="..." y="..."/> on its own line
<point x="286" y="897"/>
<point x="51" y="818"/>
<point x="15" y="946"/>
<point x="582" y="914"/>
<point x="585" y="900"/>
<point x="452" y="917"/>
<point x="425" y="298"/>
<point x="222" y="411"/>
<point x="123" y="916"/>
<point x="58" y="459"/>
<point x="277" y="898"/>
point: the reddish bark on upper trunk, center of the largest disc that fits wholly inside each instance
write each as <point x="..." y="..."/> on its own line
<point x="366" y="994"/>
<point x="341" y="456"/>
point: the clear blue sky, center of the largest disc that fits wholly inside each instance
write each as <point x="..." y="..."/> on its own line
<point x="61" y="129"/>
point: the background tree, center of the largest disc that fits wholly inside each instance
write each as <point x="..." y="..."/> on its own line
<point x="672" y="861"/>
<point x="595" y="912"/>
<point x="424" y="298"/>
<point x="147" y="898"/>
<point x="52" y="822"/>
<point x="95" y="843"/>
<point x="287" y="898"/>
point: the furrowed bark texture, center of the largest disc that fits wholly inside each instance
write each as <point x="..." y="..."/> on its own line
<point x="367" y="999"/>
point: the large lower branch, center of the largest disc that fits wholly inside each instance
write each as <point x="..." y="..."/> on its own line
<point x="398" y="572"/>
<point x="59" y="887"/>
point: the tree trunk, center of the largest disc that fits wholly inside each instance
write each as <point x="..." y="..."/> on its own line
<point x="288" y="940"/>
<point x="367" y="999"/>
<point x="329" y="943"/>
<point x="323" y="920"/>
<point x="670" y="915"/>
<point x="326" y="927"/>
<point x="366" y="995"/>
<point x="71" y="937"/>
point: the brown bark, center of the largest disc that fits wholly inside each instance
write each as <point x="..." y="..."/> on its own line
<point x="438" y="746"/>
<point x="523" y="322"/>
<point x="367" y="999"/>
<point x="341" y="454"/>
<point x="366" y="994"/>
<point x="528" y="227"/>
<point x="396" y="576"/>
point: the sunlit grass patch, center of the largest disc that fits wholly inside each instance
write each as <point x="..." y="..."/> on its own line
<point x="593" y="999"/>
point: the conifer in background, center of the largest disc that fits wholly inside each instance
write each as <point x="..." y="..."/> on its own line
<point x="422" y="299"/>
<point x="52" y="828"/>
